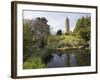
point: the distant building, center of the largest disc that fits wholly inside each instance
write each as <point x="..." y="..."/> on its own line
<point x="67" y="25"/>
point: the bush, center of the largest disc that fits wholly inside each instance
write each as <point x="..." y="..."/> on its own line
<point x="59" y="32"/>
<point x="34" y="62"/>
<point x="68" y="44"/>
<point x="67" y="33"/>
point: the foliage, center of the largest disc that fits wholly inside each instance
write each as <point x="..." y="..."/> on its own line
<point x="84" y="34"/>
<point x="34" y="62"/>
<point x="67" y="33"/>
<point x="27" y="34"/>
<point x="30" y="39"/>
<point x="42" y="43"/>
<point x="41" y="19"/>
<point x="82" y="28"/>
<point x="27" y="39"/>
<point x="59" y="32"/>
<point x="61" y="41"/>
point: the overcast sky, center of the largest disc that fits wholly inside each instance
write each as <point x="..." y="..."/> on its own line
<point x="56" y="20"/>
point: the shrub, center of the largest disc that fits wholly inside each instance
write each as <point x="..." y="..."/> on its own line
<point x="34" y="62"/>
<point x="67" y="33"/>
<point x="59" y="32"/>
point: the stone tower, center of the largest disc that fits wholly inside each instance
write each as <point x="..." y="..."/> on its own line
<point x="67" y="25"/>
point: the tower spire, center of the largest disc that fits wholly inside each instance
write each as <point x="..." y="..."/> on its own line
<point x="67" y="25"/>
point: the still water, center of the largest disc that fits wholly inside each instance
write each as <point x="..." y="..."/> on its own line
<point x="70" y="59"/>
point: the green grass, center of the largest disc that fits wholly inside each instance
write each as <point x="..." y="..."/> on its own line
<point x="62" y="37"/>
<point x="59" y="41"/>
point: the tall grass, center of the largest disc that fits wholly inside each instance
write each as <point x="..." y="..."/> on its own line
<point x="34" y="62"/>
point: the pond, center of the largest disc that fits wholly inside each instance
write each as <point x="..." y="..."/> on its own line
<point x="70" y="58"/>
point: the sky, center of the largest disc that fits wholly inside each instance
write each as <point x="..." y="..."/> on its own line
<point x="56" y="20"/>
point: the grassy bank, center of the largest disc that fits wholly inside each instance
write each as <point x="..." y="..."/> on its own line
<point x="64" y="41"/>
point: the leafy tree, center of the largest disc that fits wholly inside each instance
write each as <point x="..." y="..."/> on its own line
<point x="82" y="28"/>
<point x="27" y="34"/>
<point x="59" y="32"/>
<point x="27" y="39"/>
<point x="84" y="34"/>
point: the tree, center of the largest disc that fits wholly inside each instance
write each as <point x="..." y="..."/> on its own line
<point x="59" y="32"/>
<point x="27" y="39"/>
<point x="84" y="34"/>
<point x="83" y="28"/>
<point x="27" y="34"/>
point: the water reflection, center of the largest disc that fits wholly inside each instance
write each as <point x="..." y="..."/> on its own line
<point x="73" y="61"/>
<point x="57" y="61"/>
<point x="69" y="59"/>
